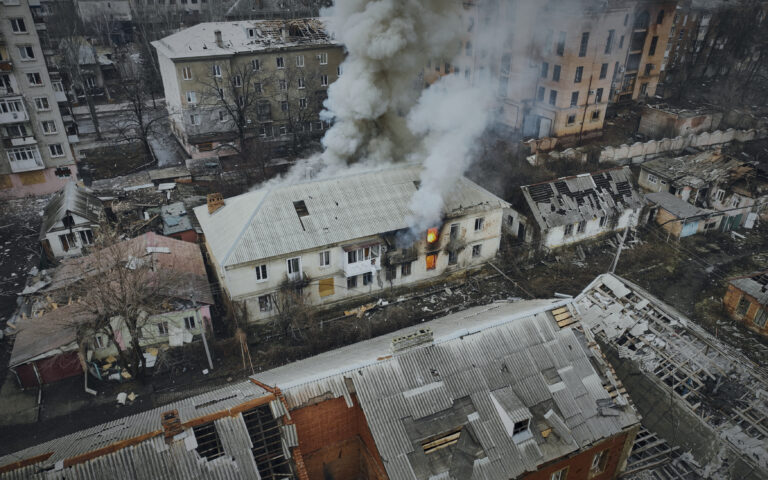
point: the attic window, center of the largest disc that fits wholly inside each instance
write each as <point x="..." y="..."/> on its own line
<point x="208" y="441"/>
<point x="435" y="443"/>
<point x="521" y="427"/>
<point x="251" y="33"/>
<point x="68" y="221"/>
<point x="301" y="208"/>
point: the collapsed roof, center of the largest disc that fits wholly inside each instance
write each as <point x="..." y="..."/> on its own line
<point x="754" y="285"/>
<point x="267" y="223"/>
<point x="697" y="170"/>
<point x="71" y="200"/>
<point x="570" y="200"/>
<point x="677" y="206"/>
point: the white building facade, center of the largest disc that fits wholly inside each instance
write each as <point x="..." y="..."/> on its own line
<point x="342" y="238"/>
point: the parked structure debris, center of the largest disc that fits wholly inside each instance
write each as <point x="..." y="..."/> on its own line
<point x="696" y="391"/>
<point x="679" y="217"/>
<point x="343" y="237"/>
<point x="69" y="221"/>
<point x="573" y="209"/>
<point x="746" y="301"/>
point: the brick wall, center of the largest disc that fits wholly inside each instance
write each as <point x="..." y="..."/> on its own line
<point x="579" y="465"/>
<point x="731" y="303"/>
<point x="336" y="442"/>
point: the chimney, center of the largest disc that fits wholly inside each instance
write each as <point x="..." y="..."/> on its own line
<point x="422" y="336"/>
<point x="171" y="425"/>
<point x="219" y="41"/>
<point x="215" y="202"/>
<point x="284" y="31"/>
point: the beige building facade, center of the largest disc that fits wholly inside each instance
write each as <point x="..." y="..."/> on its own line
<point x="35" y="154"/>
<point x="253" y="79"/>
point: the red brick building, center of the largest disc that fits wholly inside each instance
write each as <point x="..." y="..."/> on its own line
<point x="746" y="301"/>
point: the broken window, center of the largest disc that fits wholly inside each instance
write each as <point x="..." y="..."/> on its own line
<point x="621" y="42"/>
<point x="367" y="278"/>
<point x="569" y="229"/>
<point x="644" y="88"/>
<point x="571" y="119"/>
<point x="648" y="68"/>
<point x="760" y="318"/>
<point x="555" y="74"/>
<point x="265" y="303"/>
<point x="520" y="427"/>
<point x="67" y="241"/>
<point x="609" y="42"/>
<point x="595" y="115"/>
<point x="162" y="328"/>
<point x="99" y="340"/>
<point x="582" y="226"/>
<point x="267" y="446"/>
<point x="325" y="258"/>
<point x="719" y="195"/>
<point x="544" y="70"/>
<point x="453" y="258"/>
<point x="735" y="202"/>
<point x="208" y="441"/>
<point x="261" y="272"/>
<point x="301" y="208"/>
<point x="560" y="474"/>
<point x="561" y="44"/>
<point x="352" y="282"/>
<point x="654" y="43"/>
<point x="256" y="64"/>
<point x="743" y="306"/>
<point x="437" y="442"/>
<point x="405" y="269"/>
<point x="574" y="99"/>
<point x="189" y="323"/>
<point x="599" y="95"/>
<point x="652" y="178"/>
<point x="660" y="17"/>
<point x="86" y="237"/>
<point x="325" y="287"/>
<point x="476" y="249"/>
<point x="603" y="71"/>
<point x="363" y="254"/>
<point x="579" y="73"/>
<point x="294" y="266"/>
<point x="431" y="261"/>
<point x="454" y="231"/>
<point x="584" y="44"/>
<point x="479" y="222"/>
<point x="599" y="462"/>
<point x="391" y="273"/>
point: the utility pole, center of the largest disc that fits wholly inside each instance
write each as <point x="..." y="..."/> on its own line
<point x="618" y="251"/>
<point x="202" y="330"/>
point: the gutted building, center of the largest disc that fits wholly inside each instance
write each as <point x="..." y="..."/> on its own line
<point x="746" y="301"/>
<point x="69" y="221"/>
<point x="229" y="83"/>
<point x="667" y="121"/>
<point x="347" y="236"/>
<point x="573" y="209"/>
<point x="695" y="390"/>
<point x="711" y="180"/>
<point x="678" y="217"/>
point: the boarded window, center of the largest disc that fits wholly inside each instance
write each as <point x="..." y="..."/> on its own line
<point x="32" y="178"/>
<point x="325" y="287"/>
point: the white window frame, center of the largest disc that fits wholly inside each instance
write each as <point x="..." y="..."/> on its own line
<point x="282" y="85"/>
<point x="735" y="202"/>
<point x="256" y="64"/>
<point x="49" y="127"/>
<point x="190" y="323"/>
<point x="652" y="178"/>
<point x="91" y="82"/>
<point x="39" y="100"/>
<point x="57" y="86"/>
<point x="479" y="223"/>
<point x="595" y="469"/>
<point x="477" y="250"/>
<point x="99" y="341"/>
<point x="162" y="329"/>
<point x="760" y="318"/>
<point x="280" y="62"/>
<point x="217" y="70"/>
<point x="302" y="103"/>
<point x="262" y="273"/>
<point x="561" y="474"/>
<point x="237" y="80"/>
<point x="719" y="195"/>
<point x="84" y="238"/>
<point x="325" y="258"/>
<point x="289" y="265"/>
<point x="323" y="80"/>
<point x="301" y="82"/>
<point x="56" y="146"/>
<point x="194" y="119"/>
<point x="26" y="52"/>
<point x="32" y="75"/>
<point x="323" y="58"/>
<point x="300" y="61"/>
<point x="265" y="303"/>
<point x="186" y="73"/>
<point x="191" y="97"/>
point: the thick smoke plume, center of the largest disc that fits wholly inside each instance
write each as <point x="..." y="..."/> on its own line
<point x="380" y="112"/>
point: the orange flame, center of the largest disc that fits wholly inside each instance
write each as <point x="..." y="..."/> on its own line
<point x="432" y="235"/>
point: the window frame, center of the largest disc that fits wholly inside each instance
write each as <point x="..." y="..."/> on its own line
<point x="479" y="224"/>
<point x="58" y="154"/>
<point x="162" y="329"/>
<point x="300" y="61"/>
<point x="45" y="124"/>
<point x="47" y="103"/>
<point x="325" y="258"/>
<point x="265" y="303"/>
<point x="262" y="272"/>
<point x="477" y="250"/>
<point x="186" y="73"/>
<point x="15" y="26"/>
<point x="190" y="323"/>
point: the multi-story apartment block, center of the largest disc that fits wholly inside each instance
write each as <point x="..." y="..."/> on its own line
<point x="35" y="155"/>
<point x="230" y="83"/>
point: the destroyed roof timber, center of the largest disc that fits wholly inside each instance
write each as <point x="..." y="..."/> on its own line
<point x="677" y="206"/>
<point x="755" y="285"/>
<point x="72" y="199"/>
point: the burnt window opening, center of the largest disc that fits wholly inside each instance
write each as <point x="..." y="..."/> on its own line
<point x="68" y="221"/>
<point x="208" y="441"/>
<point x="301" y="208"/>
<point x="267" y="445"/>
<point x="437" y="442"/>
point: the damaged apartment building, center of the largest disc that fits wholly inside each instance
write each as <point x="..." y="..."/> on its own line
<point x="735" y="188"/>
<point x="229" y="82"/>
<point x="574" y="209"/>
<point x="343" y="237"/>
<point x="507" y="390"/>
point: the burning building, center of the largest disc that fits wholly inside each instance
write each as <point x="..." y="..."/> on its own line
<point x="343" y="237"/>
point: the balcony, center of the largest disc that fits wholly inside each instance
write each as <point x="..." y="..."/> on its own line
<point x="25" y="159"/>
<point x="60" y="96"/>
<point x="6" y="66"/>
<point x="359" y="268"/>
<point x="13" y="117"/>
<point x="19" y="141"/>
<point x="73" y="138"/>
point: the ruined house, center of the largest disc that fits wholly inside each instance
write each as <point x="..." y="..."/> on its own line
<point x="667" y="121"/>
<point x="46" y="337"/>
<point x="711" y="180"/>
<point x="678" y="217"/>
<point x="573" y="209"/>
<point x="746" y="301"/>
<point x="343" y="237"/>
<point x="693" y="389"/>
<point x="178" y="223"/>
<point x="69" y="221"/>
<point x="507" y="390"/>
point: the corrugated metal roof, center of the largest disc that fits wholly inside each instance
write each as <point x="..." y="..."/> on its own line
<point x="755" y="285"/>
<point x="470" y="368"/>
<point x="676" y="205"/>
<point x="152" y="458"/>
<point x="71" y="199"/>
<point x="265" y="223"/>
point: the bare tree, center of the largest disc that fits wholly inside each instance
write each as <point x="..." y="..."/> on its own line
<point x="301" y="101"/>
<point x="234" y="96"/>
<point x="72" y="50"/>
<point x="119" y="288"/>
